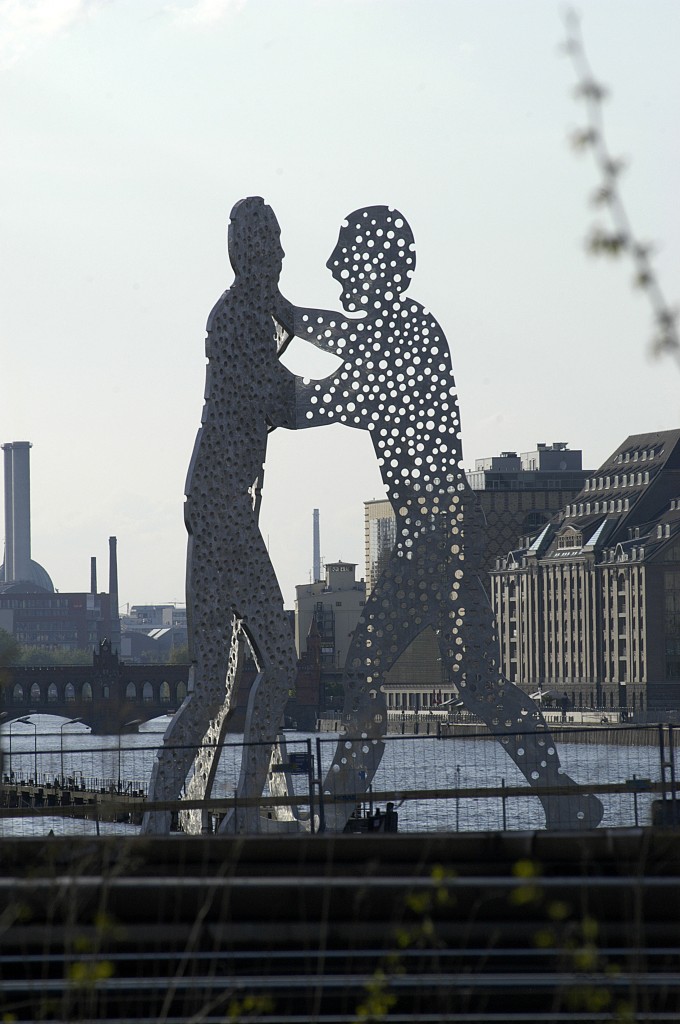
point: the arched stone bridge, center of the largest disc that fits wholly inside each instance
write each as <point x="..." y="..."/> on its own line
<point x="109" y="696"/>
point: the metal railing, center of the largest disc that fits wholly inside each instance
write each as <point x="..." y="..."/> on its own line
<point x="441" y="782"/>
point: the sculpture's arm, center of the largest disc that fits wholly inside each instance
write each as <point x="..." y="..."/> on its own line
<point x="282" y="401"/>
<point x="321" y="327"/>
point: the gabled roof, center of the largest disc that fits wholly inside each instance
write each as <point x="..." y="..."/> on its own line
<point x="631" y="489"/>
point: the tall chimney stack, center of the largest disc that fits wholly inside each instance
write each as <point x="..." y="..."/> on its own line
<point x="93" y="575"/>
<point x="17" y="511"/>
<point x="9" y="528"/>
<point x="316" y="566"/>
<point x="113" y="595"/>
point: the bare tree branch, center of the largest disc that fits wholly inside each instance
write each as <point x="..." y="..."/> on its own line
<point x="618" y="238"/>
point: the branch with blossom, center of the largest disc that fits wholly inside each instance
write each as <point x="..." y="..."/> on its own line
<point x="618" y="237"/>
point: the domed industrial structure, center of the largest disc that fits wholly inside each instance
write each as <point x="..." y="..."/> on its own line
<point x="18" y="571"/>
<point x="49" y="619"/>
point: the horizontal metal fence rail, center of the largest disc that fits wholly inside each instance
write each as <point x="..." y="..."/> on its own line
<point x="435" y="783"/>
<point x="327" y="929"/>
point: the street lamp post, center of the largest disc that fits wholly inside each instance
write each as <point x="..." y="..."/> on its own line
<point x="71" y="721"/>
<point x="35" y="751"/>
<point x="135" y="721"/>
<point x="9" y="767"/>
<point x="25" y="721"/>
<point x="3" y="714"/>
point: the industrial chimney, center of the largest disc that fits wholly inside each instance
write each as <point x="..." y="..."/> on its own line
<point x="316" y="564"/>
<point x="113" y="595"/>
<point x="19" y="566"/>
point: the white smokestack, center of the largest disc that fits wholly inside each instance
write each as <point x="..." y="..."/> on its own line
<point x="17" y="511"/>
<point x="9" y="528"/>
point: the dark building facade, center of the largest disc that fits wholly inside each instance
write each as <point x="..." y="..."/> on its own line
<point x="65" y="622"/>
<point x="590" y="607"/>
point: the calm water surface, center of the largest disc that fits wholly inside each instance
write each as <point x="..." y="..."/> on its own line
<point x="57" y="748"/>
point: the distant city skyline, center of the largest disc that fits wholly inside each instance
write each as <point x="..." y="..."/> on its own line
<point x="131" y="128"/>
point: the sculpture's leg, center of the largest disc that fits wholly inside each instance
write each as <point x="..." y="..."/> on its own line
<point x="388" y="625"/>
<point x="183" y="738"/>
<point x="200" y="785"/>
<point x="190" y="739"/>
<point x="469" y="645"/>
<point x="273" y="646"/>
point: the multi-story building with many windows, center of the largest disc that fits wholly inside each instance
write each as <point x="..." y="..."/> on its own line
<point x="590" y="607"/>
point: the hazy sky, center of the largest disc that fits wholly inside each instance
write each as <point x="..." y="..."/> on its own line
<point x="129" y="128"/>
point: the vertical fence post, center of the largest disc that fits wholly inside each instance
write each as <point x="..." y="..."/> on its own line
<point x="671" y="764"/>
<point x="662" y="755"/>
<point x="457" y="797"/>
<point x="310" y="783"/>
<point x="635" y="802"/>
<point x="322" y="813"/>
<point x="503" y="799"/>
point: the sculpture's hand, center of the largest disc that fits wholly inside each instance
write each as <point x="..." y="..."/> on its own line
<point x="307" y="411"/>
<point x="321" y="327"/>
<point x="284" y="320"/>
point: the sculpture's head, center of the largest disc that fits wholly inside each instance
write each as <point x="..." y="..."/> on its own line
<point x="254" y="241"/>
<point x="374" y="258"/>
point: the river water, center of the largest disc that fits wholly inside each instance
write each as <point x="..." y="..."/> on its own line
<point x="67" y="751"/>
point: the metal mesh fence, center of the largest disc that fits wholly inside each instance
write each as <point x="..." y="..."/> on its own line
<point x="68" y="782"/>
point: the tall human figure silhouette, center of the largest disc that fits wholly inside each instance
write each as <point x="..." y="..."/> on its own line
<point x="233" y="597"/>
<point x="396" y="381"/>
